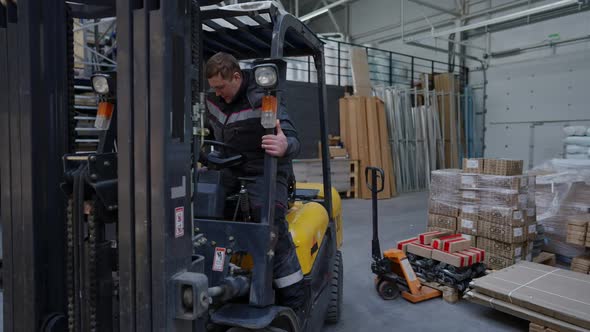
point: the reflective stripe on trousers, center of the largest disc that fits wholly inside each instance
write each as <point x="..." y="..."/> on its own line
<point x="289" y="280"/>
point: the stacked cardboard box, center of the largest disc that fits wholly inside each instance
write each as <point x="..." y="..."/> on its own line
<point x="498" y="207"/>
<point x="442" y="208"/>
<point x="577" y="229"/>
<point x="581" y="264"/>
<point x="444" y="247"/>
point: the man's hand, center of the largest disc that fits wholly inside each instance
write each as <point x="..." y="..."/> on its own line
<point x="275" y="145"/>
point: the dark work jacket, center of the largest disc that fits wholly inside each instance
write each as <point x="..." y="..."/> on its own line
<point x="238" y="124"/>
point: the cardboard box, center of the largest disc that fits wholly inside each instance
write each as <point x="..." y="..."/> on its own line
<point x="479" y="254"/>
<point x="467" y="226"/>
<point x="577" y="238"/>
<point x="471" y="238"/>
<point x="554" y="292"/>
<point x="469" y="181"/>
<point x="426" y="238"/>
<point x="444" y="185"/>
<point x="440" y="242"/>
<point x="581" y="264"/>
<point x="516" y="182"/>
<point x="502" y="233"/>
<point x="440" y="221"/>
<point x="506" y="198"/>
<point x="469" y="211"/>
<point x="420" y="250"/>
<point x="506" y="250"/>
<point x="403" y="244"/>
<point x="438" y="229"/>
<point x="470" y="196"/>
<point x="495" y="262"/>
<point x="456" y="245"/>
<point x="455" y="259"/>
<point x="502" y="215"/>
<point x="459" y="258"/>
<point x="502" y="167"/>
<point x="443" y="208"/>
<point x="473" y="165"/>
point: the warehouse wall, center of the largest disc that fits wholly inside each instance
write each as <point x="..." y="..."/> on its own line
<point x="531" y="96"/>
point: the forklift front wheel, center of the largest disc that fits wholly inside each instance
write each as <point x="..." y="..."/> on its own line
<point x="388" y="290"/>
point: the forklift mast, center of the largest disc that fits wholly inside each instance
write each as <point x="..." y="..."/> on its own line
<point x="160" y="48"/>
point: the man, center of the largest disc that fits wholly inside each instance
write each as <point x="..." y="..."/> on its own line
<point x="234" y="115"/>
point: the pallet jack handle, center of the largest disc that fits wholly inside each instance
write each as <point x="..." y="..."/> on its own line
<point x="375" y="188"/>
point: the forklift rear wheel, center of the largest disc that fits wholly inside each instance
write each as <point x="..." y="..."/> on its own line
<point x="336" y="289"/>
<point x="388" y="290"/>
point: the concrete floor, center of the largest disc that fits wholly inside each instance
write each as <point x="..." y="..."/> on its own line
<point x="363" y="310"/>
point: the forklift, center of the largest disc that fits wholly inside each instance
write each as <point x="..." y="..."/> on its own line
<point x="135" y="236"/>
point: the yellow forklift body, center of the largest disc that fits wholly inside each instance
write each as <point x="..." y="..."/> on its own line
<point x="336" y="207"/>
<point x="307" y="223"/>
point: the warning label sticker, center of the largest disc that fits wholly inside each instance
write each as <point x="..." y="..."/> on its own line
<point x="219" y="259"/>
<point x="178" y="222"/>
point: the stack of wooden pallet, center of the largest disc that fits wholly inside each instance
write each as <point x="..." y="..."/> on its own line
<point x="363" y="130"/>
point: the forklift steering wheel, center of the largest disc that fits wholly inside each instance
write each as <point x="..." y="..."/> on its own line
<point x="224" y="158"/>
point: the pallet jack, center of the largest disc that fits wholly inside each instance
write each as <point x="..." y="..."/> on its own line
<point x="393" y="269"/>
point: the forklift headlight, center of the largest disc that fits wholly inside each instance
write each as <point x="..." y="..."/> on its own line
<point x="266" y="75"/>
<point x="100" y="84"/>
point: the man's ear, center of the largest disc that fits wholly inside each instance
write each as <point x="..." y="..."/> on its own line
<point x="237" y="75"/>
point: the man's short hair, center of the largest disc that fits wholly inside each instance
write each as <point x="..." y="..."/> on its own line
<point x="223" y="64"/>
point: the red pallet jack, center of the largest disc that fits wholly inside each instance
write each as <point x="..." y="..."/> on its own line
<point x="393" y="269"/>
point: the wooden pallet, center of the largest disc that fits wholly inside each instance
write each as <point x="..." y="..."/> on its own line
<point x="354" y="190"/>
<point x="449" y="294"/>
<point x="545" y="258"/>
<point x="539" y="328"/>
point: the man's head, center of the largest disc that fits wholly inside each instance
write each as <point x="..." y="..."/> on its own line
<point x="224" y="75"/>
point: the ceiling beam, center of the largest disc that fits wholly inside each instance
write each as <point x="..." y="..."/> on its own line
<point x="496" y="20"/>
<point x="433" y="6"/>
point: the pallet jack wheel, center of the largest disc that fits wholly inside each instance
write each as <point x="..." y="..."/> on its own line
<point x="388" y="290"/>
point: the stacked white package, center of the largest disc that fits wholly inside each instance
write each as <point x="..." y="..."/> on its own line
<point x="577" y="142"/>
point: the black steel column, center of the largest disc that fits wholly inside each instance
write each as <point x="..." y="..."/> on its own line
<point x="34" y="128"/>
<point x="323" y="103"/>
<point x="126" y="166"/>
<point x="154" y="160"/>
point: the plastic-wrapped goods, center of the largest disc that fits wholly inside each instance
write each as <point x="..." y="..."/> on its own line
<point x="575" y="130"/>
<point x="577" y="156"/>
<point x="444" y="185"/>
<point x="577" y="140"/>
<point x="443" y="208"/>
<point x="556" y="236"/>
<point x="495" y="182"/>
<point x="494" y="197"/>
<point x="562" y="190"/>
<point x="502" y="215"/>
<point x="576" y="149"/>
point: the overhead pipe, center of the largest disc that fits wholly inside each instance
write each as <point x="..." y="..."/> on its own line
<point x="501" y="19"/>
